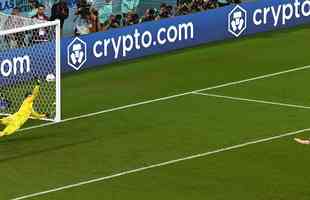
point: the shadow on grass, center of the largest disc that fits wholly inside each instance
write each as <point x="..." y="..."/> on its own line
<point x="19" y="146"/>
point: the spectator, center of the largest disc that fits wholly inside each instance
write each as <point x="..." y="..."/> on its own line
<point x="196" y="6"/>
<point x="41" y="34"/>
<point x="105" y="11"/>
<point x="182" y="9"/>
<point x="82" y="21"/>
<point x="131" y="19"/>
<point x="40" y="15"/>
<point x="149" y="15"/>
<point x="211" y="4"/>
<point x="119" y="20"/>
<point x="93" y="21"/>
<point x="33" y="4"/>
<point x="83" y="8"/>
<point x="110" y="23"/>
<point x="187" y="2"/>
<point x="12" y="22"/>
<point x="170" y="10"/>
<point x="81" y="26"/>
<point x="163" y="12"/>
<point x="60" y="11"/>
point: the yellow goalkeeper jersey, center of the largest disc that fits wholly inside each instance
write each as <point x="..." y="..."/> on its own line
<point x="26" y="109"/>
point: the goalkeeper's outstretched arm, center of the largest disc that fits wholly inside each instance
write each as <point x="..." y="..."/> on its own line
<point x="35" y="91"/>
<point x="37" y="115"/>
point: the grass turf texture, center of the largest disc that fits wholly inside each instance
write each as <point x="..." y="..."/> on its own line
<point x="79" y="150"/>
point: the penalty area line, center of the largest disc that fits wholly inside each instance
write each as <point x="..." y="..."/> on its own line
<point x="133" y="171"/>
<point x="167" y="98"/>
<point x="252" y="100"/>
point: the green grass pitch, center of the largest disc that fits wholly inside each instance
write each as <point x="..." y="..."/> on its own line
<point x="55" y="156"/>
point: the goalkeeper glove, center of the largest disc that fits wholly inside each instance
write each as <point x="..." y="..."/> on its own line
<point x="38" y="81"/>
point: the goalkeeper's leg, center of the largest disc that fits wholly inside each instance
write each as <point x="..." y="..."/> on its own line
<point x="9" y="130"/>
<point x="4" y="121"/>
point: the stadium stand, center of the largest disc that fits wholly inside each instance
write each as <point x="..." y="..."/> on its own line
<point x="81" y="17"/>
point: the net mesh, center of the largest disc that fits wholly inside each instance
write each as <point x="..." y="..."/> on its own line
<point x="8" y="22"/>
<point x="26" y="56"/>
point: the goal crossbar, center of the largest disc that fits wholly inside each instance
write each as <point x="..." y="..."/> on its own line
<point x="30" y="27"/>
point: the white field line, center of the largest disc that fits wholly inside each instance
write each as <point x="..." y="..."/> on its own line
<point x="159" y="165"/>
<point x="252" y="100"/>
<point x="168" y="97"/>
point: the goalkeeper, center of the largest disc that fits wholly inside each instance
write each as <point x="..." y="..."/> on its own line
<point x="15" y="121"/>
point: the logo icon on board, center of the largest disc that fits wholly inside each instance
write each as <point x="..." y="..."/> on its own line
<point x="77" y="53"/>
<point x="237" y="21"/>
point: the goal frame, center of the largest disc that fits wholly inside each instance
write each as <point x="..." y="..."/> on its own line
<point x="55" y="23"/>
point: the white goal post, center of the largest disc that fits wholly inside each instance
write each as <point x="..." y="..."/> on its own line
<point x="30" y="50"/>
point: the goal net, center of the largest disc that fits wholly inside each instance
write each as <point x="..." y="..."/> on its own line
<point x="29" y="50"/>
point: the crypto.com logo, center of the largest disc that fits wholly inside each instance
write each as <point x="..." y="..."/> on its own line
<point x="237" y="21"/>
<point x="77" y="53"/>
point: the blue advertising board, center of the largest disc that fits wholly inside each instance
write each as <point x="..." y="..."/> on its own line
<point x="23" y="64"/>
<point x="184" y="31"/>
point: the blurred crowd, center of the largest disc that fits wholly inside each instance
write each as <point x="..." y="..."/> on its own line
<point x="87" y="19"/>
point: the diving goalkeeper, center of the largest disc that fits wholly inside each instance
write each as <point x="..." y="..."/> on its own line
<point x="14" y="122"/>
